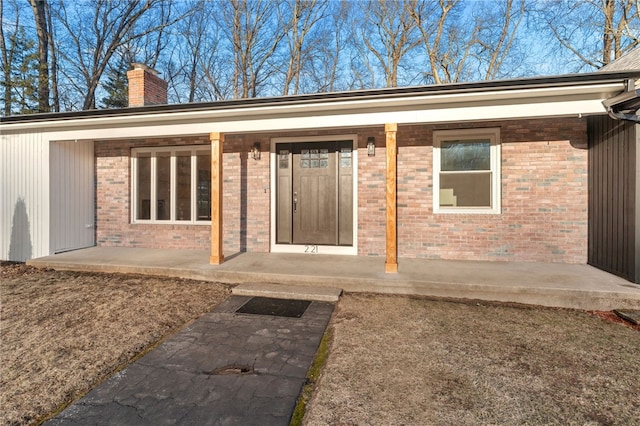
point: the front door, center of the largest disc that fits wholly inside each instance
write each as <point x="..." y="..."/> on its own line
<point x="315" y="193"/>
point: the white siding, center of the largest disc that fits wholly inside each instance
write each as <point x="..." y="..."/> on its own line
<point x="24" y="196"/>
<point x="72" y="195"/>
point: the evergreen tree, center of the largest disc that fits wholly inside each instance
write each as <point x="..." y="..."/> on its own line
<point x="24" y="76"/>
<point x="117" y="87"/>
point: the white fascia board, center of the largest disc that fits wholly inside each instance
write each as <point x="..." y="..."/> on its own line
<point x="425" y="108"/>
<point x="363" y="119"/>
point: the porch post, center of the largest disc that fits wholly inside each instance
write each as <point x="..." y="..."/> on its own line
<point x="217" y="139"/>
<point x="391" y="263"/>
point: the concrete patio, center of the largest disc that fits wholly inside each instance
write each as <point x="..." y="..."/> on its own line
<point x="547" y="284"/>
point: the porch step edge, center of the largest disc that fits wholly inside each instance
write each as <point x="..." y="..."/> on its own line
<point x="284" y="291"/>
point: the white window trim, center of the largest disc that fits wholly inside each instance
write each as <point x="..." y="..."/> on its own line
<point x="493" y="134"/>
<point x="193" y="149"/>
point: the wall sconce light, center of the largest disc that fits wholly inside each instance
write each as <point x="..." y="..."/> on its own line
<point x="371" y="146"/>
<point x="255" y="151"/>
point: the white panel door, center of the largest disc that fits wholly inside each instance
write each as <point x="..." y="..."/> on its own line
<point x="72" y="196"/>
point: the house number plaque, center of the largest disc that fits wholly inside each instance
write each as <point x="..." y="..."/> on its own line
<point x="311" y="249"/>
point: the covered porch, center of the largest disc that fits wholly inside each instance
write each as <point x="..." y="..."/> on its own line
<point x="548" y="284"/>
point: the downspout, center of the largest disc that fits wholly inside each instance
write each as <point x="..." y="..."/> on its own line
<point x="630" y="97"/>
<point x="623" y="117"/>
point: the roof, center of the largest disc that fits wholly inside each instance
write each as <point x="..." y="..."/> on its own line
<point x="628" y="61"/>
<point x="357" y="95"/>
<point x="557" y="96"/>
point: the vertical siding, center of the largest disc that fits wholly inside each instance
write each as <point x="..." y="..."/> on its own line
<point x="613" y="184"/>
<point x="635" y="202"/>
<point x="72" y="195"/>
<point x="24" y="196"/>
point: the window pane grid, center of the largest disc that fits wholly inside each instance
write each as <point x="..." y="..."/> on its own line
<point x="203" y="198"/>
<point x="171" y="184"/>
<point x="183" y="191"/>
<point x="164" y="184"/>
<point x="143" y="187"/>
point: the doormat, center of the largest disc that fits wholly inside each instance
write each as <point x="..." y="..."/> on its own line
<point x="274" y="307"/>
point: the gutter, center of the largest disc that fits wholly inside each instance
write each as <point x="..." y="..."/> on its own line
<point x="263" y="109"/>
<point x="624" y="117"/>
<point x="398" y="94"/>
<point x="625" y="106"/>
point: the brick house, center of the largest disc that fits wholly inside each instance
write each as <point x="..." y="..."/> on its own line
<point x="540" y="169"/>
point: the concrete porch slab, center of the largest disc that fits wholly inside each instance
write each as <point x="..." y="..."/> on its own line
<point x="284" y="291"/>
<point x="546" y="284"/>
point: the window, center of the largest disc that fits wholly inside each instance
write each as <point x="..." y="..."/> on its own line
<point x="171" y="184"/>
<point x="466" y="171"/>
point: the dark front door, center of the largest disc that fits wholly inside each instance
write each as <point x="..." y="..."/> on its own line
<point x="315" y="193"/>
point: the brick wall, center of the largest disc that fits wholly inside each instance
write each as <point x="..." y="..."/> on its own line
<point x="113" y="214"/>
<point x="371" y="194"/>
<point x="544" y="196"/>
<point x="145" y="88"/>
<point x="245" y="195"/>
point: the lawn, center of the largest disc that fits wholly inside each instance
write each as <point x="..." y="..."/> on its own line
<point x="400" y="360"/>
<point x="392" y="359"/>
<point x="64" y="332"/>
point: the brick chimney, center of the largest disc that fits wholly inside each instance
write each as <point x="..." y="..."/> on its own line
<point x="145" y="87"/>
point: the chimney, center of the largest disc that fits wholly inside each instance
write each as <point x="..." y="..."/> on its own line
<point x="145" y="87"/>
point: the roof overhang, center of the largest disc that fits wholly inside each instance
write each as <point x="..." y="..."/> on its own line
<point x="624" y="106"/>
<point x="507" y="99"/>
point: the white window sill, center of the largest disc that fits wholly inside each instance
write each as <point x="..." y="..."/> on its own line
<point x="466" y="210"/>
<point x="169" y="222"/>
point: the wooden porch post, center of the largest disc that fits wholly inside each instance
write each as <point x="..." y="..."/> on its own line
<point x="217" y="139"/>
<point x="391" y="263"/>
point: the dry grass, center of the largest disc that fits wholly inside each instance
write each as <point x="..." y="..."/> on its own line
<point x="63" y="332"/>
<point x="401" y="360"/>
<point x="392" y="360"/>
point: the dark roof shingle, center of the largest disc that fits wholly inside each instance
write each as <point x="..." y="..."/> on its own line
<point x="627" y="62"/>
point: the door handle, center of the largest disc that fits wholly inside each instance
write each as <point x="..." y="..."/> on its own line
<point x="295" y="202"/>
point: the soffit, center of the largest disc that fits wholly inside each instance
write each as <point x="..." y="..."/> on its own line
<point x="403" y="107"/>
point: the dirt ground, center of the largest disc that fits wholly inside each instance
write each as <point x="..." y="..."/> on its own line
<point x="407" y="361"/>
<point x="64" y="332"/>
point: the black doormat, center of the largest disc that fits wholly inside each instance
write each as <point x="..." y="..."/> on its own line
<point x="274" y="307"/>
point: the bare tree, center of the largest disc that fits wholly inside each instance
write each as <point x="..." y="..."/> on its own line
<point x="331" y="41"/>
<point x="446" y="38"/>
<point x="95" y="30"/>
<point x="7" y="51"/>
<point x="19" y="61"/>
<point x="393" y="35"/>
<point x="200" y="68"/>
<point x="53" y="59"/>
<point x="194" y="30"/>
<point x="216" y="77"/>
<point x="465" y="42"/>
<point x="39" y="8"/>
<point x="298" y="18"/>
<point x="595" y="32"/>
<point x="254" y="38"/>
<point x="497" y="34"/>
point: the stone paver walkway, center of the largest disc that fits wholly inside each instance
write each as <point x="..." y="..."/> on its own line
<point x="226" y="368"/>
